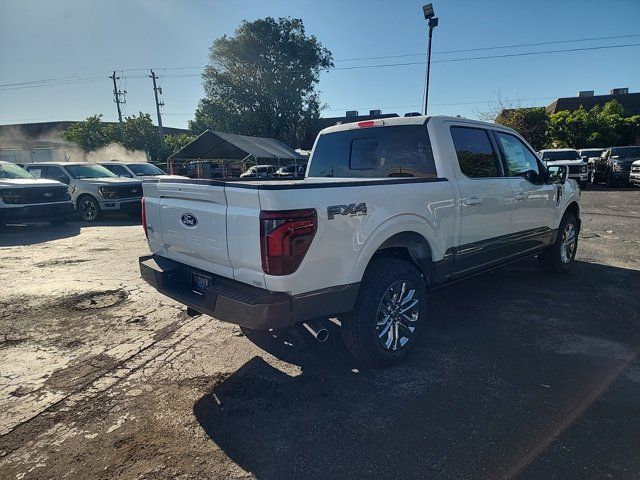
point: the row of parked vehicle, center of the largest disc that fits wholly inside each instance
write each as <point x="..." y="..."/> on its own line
<point x="54" y="191"/>
<point x="613" y="166"/>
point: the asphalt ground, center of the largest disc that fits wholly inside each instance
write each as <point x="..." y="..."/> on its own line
<point x="520" y="373"/>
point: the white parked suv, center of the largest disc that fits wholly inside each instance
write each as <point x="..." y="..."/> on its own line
<point x="137" y="170"/>
<point x="94" y="189"/>
<point x="260" y="171"/>
<point x="390" y="209"/>
<point x="578" y="166"/>
<point x="24" y="198"/>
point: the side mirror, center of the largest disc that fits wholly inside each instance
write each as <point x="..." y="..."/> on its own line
<point x="558" y="173"/>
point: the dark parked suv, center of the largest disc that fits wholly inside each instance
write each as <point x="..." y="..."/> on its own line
<point x="616" y="165"/>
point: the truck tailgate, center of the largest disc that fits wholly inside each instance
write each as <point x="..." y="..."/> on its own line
<point x="193" y="227"/>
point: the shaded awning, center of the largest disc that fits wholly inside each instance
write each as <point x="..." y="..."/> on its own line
<point x="213" y="145"/>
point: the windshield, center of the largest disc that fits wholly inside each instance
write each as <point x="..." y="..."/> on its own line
<point x="145" y="169"/>
<point x="594" y="152"/>
<point x="561" y="155"/>
<point x="626" y="152"/>
<point x="88" y="171"/>
<point x="10" y="170"/>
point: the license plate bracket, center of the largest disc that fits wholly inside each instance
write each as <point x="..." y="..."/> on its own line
<point x="200" y="283"/>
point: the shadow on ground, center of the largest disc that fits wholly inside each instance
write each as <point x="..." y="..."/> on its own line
<point x="17" y="235"/>
<point x="509" y="362"/>
<point x="34" y="233"/>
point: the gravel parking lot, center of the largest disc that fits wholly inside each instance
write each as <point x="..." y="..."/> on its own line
<point x="521" y="374"/>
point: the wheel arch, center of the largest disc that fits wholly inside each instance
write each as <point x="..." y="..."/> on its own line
<point x="83" y="195"/>
<point x="574" y="209"/>
<point x="411" y="247"/>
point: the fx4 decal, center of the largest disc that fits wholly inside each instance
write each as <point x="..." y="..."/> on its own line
<point x="352" y="209"/>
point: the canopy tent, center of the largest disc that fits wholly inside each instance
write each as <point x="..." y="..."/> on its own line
<point x="212" y="145"/>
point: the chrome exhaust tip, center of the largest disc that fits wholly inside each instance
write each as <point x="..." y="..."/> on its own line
<point x="318" y="332"/>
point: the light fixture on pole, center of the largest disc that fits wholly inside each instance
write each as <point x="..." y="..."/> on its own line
<point x="433" y="23"/>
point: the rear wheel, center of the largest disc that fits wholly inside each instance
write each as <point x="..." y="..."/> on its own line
<point x="559" y="257"/>
<point x="89" y="208"/>
<point x="389" y="313"/>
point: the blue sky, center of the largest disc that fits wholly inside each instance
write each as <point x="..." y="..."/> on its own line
<point x="42" y="39"/>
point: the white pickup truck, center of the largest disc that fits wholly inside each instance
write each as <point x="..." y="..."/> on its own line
<point x="389" y="210"/>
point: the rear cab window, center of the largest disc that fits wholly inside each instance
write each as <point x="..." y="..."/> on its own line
<point x="376" y="152"/>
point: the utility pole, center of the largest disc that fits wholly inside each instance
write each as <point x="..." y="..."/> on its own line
<point x="116" y="98"/>
<point x="159" y="104"/>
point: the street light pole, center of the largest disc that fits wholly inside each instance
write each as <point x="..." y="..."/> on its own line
<point x="433" y="23"/>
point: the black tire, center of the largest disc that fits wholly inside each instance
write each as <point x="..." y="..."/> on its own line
<point x="89" y="208"/>
<point x="609" y="181"/>
<point x="360" y="328"/>
<point x="554" y="259"/>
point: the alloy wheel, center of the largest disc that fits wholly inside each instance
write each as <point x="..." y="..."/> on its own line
<point x="89" y="210"/>
<point x="397" y="315"/>
<point x="568" y="246"/>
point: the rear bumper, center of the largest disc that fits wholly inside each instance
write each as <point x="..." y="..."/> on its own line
<point x="235" y="302"/>
<point x="30" y="213"/>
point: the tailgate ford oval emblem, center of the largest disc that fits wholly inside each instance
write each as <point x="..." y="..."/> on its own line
<point x="189" y="220"/>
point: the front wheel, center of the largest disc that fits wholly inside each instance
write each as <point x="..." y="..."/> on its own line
<point x="89" y="209"/>
<point x="559" y="256"/>
<point x="389" y="313"/>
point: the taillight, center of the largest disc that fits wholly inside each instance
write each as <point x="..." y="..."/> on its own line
<point x="285" y="237"/>
<point x="144" y="218"/>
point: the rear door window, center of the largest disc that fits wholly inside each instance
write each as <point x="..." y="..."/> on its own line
<point x="38" y="171"/>
<point x="377" y="152"/>
<point x="476" y="156"/>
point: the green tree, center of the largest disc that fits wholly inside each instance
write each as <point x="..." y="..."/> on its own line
<point x="261" y="81"/>
<point x="90" y="134"/>
<point x="599" y="127"/>
<point x="141" y="134"/>
<point x="531" y="123"/>
<point x="173" y="143"/>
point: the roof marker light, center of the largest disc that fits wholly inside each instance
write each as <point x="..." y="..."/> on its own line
<point x="370" y="123"/>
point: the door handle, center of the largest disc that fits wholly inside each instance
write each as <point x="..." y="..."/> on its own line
<point x="472" y="201"/>
<point x="521" y="196"/>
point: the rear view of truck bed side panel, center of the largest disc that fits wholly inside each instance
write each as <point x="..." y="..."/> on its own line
<point x="425" y="207"/>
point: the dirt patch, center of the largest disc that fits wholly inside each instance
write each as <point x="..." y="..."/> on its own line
<point x="62" y="262"/>
<point x="94" y="300"/>
<point x="80" y="373"/>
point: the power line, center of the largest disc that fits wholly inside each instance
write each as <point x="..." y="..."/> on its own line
<point x="490" y="48"/>
<point x="486" y="57"/>
<point x="80" y="79"/>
